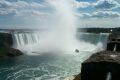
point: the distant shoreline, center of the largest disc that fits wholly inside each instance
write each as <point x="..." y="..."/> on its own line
<point x="99" y="30"/>
<point x="89" y="30"/>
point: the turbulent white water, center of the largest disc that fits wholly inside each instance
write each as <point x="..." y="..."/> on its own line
<point x="62" y="35"/>
<point x="39" y="42"/>
<point x="23" y="39"/>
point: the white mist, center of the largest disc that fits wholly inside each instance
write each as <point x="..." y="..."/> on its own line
<point x="61" y="32"/>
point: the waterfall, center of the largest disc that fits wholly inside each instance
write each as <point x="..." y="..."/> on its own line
<point x="108" y="76"/>
<point x="105" y="40"/>
<point x="45" y="41"/>
<point x="24" y="39"/>
<point x="61" y="27"/>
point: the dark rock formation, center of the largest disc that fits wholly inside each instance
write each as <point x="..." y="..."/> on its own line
<point x="104" y="65"/>
<point x="113" y="42"/>
<point x="6" y="42"/>
<point x="113" y="46"/>
<point x="100" y="64"/>
<point x="5" y="39"/>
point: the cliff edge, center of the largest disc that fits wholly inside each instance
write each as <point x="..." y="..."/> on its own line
<point x="6" y="43"/>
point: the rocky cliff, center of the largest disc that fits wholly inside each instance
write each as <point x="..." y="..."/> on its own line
<point x="6" y="42"/>
<point x="100" y="64"/>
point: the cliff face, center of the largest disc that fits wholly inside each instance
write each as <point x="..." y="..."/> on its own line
<point x="104" y="65"/>
<point x="100" y="71"/>
<point x="6" y="42"/>
<point x="99" y="65"/>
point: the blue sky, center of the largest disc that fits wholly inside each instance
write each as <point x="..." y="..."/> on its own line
<point x="32" y="13"/>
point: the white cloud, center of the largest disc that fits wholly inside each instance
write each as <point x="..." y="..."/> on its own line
<point x="100" y="4"/>
<point x="23" y="4"/>
<point x="5" y="4"/>
<point x="106" y="14"/>
<point x="100" y="14"/>
<point x="106" y="4"/>
<point x="21" y="8"/>
<point x="7" y="11"/>
<point x="84" y="15"/>
<point x="81" y="4"/>
<point x="31" y="13"/>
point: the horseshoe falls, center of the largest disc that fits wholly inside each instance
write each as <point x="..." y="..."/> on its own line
<point x="45" y="65"/>
<point x="48" y="54"/>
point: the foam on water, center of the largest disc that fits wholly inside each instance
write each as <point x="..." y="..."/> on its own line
<point x="52" y="70"/>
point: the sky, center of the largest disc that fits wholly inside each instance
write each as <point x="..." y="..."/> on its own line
<point x="35" y="13"/>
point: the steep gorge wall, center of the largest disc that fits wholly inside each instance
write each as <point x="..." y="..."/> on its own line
<point x="99" y="65"/>
<point x="6" y="39"/>
<point x="6" y="43"/>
